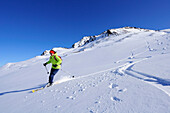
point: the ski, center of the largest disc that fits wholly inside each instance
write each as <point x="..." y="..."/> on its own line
<point x="35" y="90"/>
<point x="56" y="82"/>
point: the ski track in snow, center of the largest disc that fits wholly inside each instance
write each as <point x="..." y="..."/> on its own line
<point x="126" y="69"/>
<point x="120" y="70"/>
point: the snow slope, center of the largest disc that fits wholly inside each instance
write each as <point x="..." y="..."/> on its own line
<point x="125" y="73"/>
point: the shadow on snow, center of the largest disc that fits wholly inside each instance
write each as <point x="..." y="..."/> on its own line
<point x="22" y="90"/>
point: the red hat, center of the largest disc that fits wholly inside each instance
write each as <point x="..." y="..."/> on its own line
<point x="52" y="51"/>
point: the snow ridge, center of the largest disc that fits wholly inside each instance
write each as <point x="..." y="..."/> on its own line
<point x="113" y="32"/>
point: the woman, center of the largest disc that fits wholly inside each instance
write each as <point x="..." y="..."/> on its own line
<point x="56" y="65"/>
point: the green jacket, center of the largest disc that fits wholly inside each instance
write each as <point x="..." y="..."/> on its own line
<point x="56" y="61"/>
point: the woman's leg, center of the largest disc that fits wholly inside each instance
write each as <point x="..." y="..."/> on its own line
<point x="52" y="74"/>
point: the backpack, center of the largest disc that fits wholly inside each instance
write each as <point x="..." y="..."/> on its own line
<point x="59" y="57"/>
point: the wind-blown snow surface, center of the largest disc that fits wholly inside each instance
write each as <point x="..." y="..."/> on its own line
<point x="128" y="73"/>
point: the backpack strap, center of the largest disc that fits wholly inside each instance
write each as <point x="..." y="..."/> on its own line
<point x="56" y="59"/>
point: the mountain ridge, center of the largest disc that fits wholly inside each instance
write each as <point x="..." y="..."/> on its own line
<point x="116" y="32"/>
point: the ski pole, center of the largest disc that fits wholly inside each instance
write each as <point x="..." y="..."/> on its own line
<point x="46" y="70"/>
<point x="67" y="73"/>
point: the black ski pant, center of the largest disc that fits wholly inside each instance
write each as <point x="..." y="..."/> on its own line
<point x="52" y="74"/>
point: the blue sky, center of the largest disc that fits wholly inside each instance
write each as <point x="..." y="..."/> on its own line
<point x="28" y="27"/>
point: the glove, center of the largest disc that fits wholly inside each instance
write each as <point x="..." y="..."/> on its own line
<point x="45" y="64"/>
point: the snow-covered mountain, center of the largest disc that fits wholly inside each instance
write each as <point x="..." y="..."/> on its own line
<point x="109" y="32"/>
<point x="119" y="71"/>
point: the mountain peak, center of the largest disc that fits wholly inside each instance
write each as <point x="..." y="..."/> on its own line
<point x="113" y="32"/>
